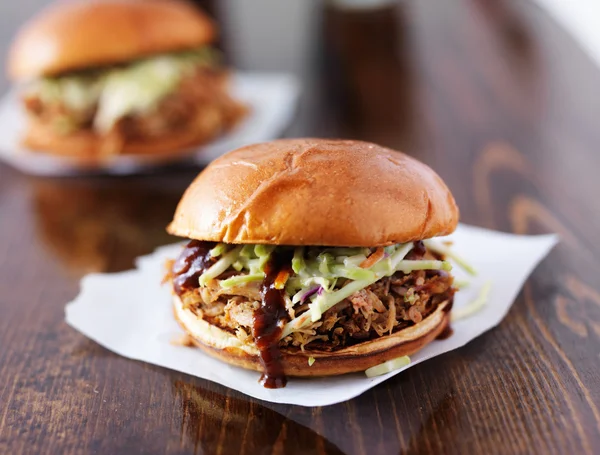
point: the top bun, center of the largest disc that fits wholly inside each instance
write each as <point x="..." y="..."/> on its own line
<point x="315" y="192"/>
<point x="75" y="34"/>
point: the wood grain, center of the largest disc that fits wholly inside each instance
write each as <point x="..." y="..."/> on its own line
<point x="492" y="94"/>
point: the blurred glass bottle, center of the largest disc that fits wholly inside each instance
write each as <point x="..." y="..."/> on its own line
<point x="368" y="69"/>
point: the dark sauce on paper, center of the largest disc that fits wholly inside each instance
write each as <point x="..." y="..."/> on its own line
<point x="191" y="263"/>
<point x="448" y="331"/>
<point x="267" y="326"/>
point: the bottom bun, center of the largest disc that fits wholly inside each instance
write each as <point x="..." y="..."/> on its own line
<point x="87" y="149"/>
<point x="226" y="347"/>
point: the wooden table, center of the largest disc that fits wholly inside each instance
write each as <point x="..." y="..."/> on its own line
<point x="492" y="94"/>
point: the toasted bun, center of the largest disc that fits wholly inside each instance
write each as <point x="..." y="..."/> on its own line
<point x="226" y="347"/>
<point x="315" y="192"/>
<point x="82" y="34"/>
<point x="84" y="148"/>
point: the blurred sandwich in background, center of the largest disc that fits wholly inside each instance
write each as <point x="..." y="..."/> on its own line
<point x="107" y="77"/>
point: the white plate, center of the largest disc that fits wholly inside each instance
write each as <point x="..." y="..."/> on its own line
<point x="272" y="99"/>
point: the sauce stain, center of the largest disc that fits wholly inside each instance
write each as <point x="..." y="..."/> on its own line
<point x="446" y="333"/>
<point x="268" y="323"/>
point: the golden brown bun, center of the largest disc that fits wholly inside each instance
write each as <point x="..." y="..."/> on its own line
<point x="82" y="34"/>
<point x="84" y="148"/>
<point x="226" y="347"/>
<point x="315" y="192"/>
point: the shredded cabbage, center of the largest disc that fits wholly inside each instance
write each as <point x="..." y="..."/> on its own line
<point x="304" y="294"/>
<point x="218" y="250"/>
<point x="263" y="252"/>
<point x="354" y="261"/>
<point x="326" y="300"/>
<point x="388" y="367"/>
<point x="241" y="279"/>
<point x="220" y="266"/>
<point x="474" y="306"/>
<point x="295" y="324"/>
<point x="341" y="251"/>
<point x="352" y="273"/>
<point x="324" y="261"/>
<point x="398" y="255"/>
<point x="409" y="266"/>
<point x="410" y="298"/>
<point x="247" y="251"/>
<point x="298" y="264"/>
<point x="76" y="92"/>
<point x="449" y="252"/>
<point x="243" y="257"/>
<point x="461" y="284"/>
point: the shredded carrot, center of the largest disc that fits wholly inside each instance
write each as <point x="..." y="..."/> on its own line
<point x="281" y="279"/>
<point x="373" y="258"/>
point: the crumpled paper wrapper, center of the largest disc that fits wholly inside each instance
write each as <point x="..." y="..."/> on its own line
<point x="272" y="100"/>
<point x="130" y="314"/>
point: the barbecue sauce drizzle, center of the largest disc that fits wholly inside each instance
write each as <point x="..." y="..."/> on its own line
<point x="417" y="252"/>
<point x="268" y="323"/>
<point x="191" y="263"/>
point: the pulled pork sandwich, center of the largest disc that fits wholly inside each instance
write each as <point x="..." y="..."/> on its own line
<point x="307" y="257"/>
<point x="107" y="77"/>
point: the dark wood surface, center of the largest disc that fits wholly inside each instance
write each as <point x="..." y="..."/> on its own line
<point x="492" y="94"/>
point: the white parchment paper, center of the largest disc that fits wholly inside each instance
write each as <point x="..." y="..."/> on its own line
<point x="130" y="313"/>
<point x="580" y="19"/>
<point x="272" y="100"/>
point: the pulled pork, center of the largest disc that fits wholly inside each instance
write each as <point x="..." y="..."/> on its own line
<point x="382" y="308"/>
<point x="390" y="304"/>
<point x="200" y="103"/>
<point x="200" y="108"/>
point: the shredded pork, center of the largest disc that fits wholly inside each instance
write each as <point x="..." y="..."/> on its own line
<point x="200" y="106"/>
<point x="200" y="102"/>
<point x="390" y="304"/>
